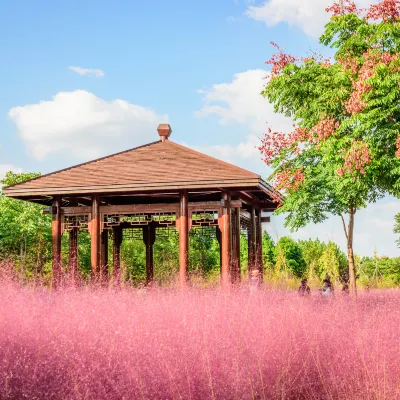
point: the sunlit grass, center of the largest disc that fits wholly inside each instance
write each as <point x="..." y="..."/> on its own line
<point x="109" y="343"/>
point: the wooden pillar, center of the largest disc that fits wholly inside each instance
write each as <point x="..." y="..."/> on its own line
<point x="95" y="237"/>
<point x="117" y="241"/>
<point x="225" y="239"/>
<point x="104" y="253"/>
<point x="252" y="237"/>
<point x="56" y="240"/>
<point x="73" y="253"/>
<point x="260" y="263"/>
<point x="235" y="244"/>
<point x="218" y="236"/>
<point x="149" y="237"/>
<point x="183" y="238"/>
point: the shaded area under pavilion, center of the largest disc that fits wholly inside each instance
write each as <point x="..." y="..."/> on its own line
<point x="158" y="186"/>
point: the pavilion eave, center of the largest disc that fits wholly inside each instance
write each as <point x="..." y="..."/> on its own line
<point x="141" y="187"/>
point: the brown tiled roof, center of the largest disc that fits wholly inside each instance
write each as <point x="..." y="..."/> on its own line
<point x="158" y="165"/>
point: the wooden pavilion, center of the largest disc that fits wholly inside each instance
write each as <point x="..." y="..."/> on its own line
<point x="161" y="185"/>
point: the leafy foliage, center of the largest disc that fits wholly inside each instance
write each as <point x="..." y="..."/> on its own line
<point x="290" y="256"/>
<point x="285" y="259"/>
<point x="269" y="254"/>
<point x="343" y="152"/>
<point x="25" y="233"/>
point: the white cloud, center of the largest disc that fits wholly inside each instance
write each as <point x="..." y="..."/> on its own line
<point x="98" y="73"/>
<point x="308" y="15"/>
<point x="240" y="102"/>
<point x="245" y="154"/>
<point x="83" y="125"/>
<point x="4" y="168"/>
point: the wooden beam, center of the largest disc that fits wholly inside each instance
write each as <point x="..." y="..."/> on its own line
<point x="149" y="237"/>
<point x="183" y="238"/>
<point x="139" y="208"/>
<point x="56" y="240"/>
<point x="218" y="236"/>
<point x="149" y="208"/>
<point x="252" y="240"/>
<point x="225" y="240"/>
<point x="76" y="210"/>
<point x="104" y="254"/>
<point x="235" y="264"/>
<point x="117" y="241"/>
<point x="135" y="187"/>
<point x="259" y="250"/>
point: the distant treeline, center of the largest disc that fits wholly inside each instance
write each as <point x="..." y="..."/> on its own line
<point x="25" y="239"/>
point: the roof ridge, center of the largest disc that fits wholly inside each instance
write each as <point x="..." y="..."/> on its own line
<point x="84" y="163"/>
<point x="213" y="158"/>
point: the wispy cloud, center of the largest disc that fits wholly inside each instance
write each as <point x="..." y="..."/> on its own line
<point x="308" y="15"/>
<point x="83" y="125"/>
<point x="98" y="73"/>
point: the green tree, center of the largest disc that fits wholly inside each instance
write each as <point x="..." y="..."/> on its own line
<point x="397" y="227"/>
<point x="290" y="257"/>
<point x="332" y="262"/>
<point x="268" y="247"/>
<point x="203" y="251"/>
<point x="312" y="251"/>
<point x="25" y="233"/>
<point x="343" y="152"/>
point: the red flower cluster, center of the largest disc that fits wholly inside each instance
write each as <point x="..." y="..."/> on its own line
<point x="323" y="129"/>
<point x="349" y="64"/>
<point x="279" y="60"/>
<point x="318" y="59"/>
<point x="371" y="59"/>
<point x="398" y="147"/>
<point x="343" y="7"/>
<point x="273" y="142"/>
<point x="386" y="10"/>
<point x="356" y="159"/>
<point x="289" y="179"/>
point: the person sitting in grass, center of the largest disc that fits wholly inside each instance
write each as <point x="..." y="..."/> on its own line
<point x="255" y="278"/>
<point x="344" y="280"/>
<point x="304" y="289"/>
<point x="327" y="287"/>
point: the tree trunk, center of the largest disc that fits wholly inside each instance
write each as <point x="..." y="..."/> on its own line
<point x="350" y="254"/>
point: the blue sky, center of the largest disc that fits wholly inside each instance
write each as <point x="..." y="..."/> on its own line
<point x="83" y="79"/>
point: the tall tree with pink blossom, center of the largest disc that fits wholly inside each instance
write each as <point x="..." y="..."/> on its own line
<point x="344" y="149"/>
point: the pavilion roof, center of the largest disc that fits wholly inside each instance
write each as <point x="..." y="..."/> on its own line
<point x="157" y="166"/>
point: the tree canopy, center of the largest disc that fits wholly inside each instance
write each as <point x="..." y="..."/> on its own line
<point x="344" y="148"/>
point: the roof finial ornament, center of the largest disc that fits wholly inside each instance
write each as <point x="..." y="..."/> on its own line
<point x="164" y="130"/>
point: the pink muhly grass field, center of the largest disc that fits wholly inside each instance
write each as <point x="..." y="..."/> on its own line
<point x="199" y="344"/>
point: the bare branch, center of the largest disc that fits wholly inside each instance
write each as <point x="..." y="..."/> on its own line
<point x="344" y="227"/>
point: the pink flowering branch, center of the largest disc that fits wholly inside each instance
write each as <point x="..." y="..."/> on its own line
<point x="278" y="61"/>
<point x="398" y="147"/>
<point x="371" y="59"/>
<point x="343" y="7"/>
<point x="289" y="179"/>
<point x="356" y="159"/>
<point x="386" y="10"/>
